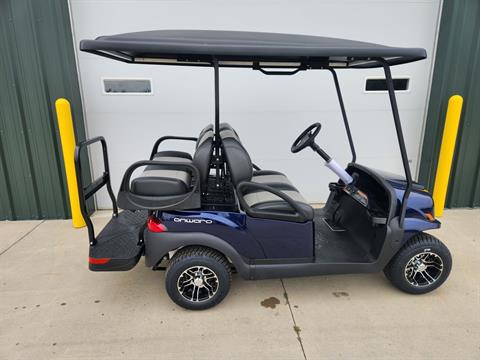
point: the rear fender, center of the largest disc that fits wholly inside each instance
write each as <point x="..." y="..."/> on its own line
<point x="157" y="245"/>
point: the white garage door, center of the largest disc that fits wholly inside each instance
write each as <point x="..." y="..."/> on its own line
<point x="267" y="111"/>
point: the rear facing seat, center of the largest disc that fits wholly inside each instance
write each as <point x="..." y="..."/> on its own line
<point x="241" y="169"/>
<point x="161" y="180"/>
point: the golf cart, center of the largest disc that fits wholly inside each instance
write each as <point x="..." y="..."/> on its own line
<point x="202" y="216"/>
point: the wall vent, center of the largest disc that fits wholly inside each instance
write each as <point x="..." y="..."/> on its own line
<point x="380" y="84"/>
<point x="127" y="86"/>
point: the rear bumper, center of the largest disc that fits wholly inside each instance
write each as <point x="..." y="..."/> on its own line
<point x="114" y="264"/>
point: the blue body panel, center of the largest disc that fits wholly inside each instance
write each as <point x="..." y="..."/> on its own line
<point x="283" y="239"/>
<point x="252" y="238"/>
<point x="229" y="226"/>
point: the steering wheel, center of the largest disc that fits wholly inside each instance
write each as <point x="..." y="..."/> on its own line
<point x="306" y="138"/>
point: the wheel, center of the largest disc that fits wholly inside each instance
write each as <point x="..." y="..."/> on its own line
<point x="198" y="278"/>
<point x="420" y="266"/>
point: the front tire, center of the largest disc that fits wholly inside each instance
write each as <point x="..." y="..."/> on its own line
<point x="420" y="266"/>
<point x="198" y="278"/>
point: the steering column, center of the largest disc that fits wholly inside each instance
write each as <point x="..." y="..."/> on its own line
<point x="307" y="139"/>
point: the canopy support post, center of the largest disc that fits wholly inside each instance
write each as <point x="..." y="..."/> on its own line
<point x="217" y="156"/>
<point x="401" y="140"/>
<point x="217" y="98"/>
<point x="344" y="114"/>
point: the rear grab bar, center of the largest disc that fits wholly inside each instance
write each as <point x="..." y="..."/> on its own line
<point x="169" y="137"/>
<point x="85" y="192"/>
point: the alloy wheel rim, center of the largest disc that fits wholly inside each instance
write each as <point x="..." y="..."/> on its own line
<point x="424" y="269"/>
<point x="198" y="283"/>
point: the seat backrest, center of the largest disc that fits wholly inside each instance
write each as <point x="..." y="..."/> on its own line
<point x="203" y="154"/>
<point x="205" y="130"/>
<point x="238" y="159"/>
<point x="227" y="127"/>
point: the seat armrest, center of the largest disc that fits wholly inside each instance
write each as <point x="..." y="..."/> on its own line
<point x="300" y="216"/>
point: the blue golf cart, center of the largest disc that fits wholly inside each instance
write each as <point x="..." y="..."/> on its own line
<point x="205" y="215"/>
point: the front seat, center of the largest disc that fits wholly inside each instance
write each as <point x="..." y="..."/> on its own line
<point x="260" y="196"/>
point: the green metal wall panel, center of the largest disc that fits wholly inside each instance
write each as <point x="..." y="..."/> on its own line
<point x="37" y="66"/>
<point x="457" y="71"/>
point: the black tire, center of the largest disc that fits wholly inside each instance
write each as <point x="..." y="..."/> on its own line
<point x="193" y="263"/>
<point x="429" y="263"/>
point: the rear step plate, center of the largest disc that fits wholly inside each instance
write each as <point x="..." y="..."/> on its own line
<point x="119" y="245"/>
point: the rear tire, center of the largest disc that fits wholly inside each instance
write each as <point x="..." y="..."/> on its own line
<point x="198" y="278"/>
<point x="420" y="266"/>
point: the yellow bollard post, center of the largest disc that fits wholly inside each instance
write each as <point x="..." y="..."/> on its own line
<point x="67" y="137"/>
<point x="447" y="150"/>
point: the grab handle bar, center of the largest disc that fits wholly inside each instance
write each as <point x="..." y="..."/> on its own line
<point x="85" y="192"/>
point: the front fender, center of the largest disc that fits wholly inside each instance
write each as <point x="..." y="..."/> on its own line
<point x="414" y="225"/>
<point x="417" y="224"/>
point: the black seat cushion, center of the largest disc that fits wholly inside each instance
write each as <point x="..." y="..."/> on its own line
<point x="267" y="201"/>
<point x="159" y="181"/>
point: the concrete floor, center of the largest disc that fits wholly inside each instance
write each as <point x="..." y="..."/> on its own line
<point x="51" y="306"/>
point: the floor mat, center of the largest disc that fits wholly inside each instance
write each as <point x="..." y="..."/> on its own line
<point x="336" y="246"/>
